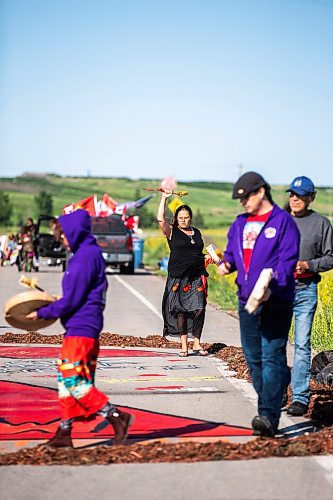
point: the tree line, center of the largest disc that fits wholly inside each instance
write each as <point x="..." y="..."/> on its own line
<point x="43" y="202"/>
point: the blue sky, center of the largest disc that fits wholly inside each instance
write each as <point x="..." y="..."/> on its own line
<point x="198" y="89"/>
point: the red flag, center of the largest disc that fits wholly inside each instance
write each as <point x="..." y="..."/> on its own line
<point x="121" y="210"/>
<point x="102" y="210"/>
<point x="88" y="204"/>
<point x="109" y="202"/>
<point x="68" y="209"/>
<point x="132" y="223"/>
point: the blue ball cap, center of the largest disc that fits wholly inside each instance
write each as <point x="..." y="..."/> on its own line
<point x="302" y="185"/>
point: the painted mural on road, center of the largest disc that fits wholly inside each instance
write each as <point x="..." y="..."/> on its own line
<point x="31" y="412"/>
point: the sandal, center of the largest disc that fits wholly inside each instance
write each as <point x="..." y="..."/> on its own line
<point x="200" y="352"/>
<point x="183" y="354"/>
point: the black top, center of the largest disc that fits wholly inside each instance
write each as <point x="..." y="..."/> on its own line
<point x="186" y="258"/>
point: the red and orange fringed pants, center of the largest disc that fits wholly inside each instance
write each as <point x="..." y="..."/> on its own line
<point x="76" y="378"/>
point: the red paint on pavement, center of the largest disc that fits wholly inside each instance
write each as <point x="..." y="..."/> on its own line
<point x="32" y="412"/>
<point x="53" y="352"/>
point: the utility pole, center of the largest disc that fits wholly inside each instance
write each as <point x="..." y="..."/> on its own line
<point x="329" y="191"/>
<point x="240" y="170"/>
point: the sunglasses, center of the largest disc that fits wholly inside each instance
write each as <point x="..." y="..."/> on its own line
<point x="247" y="196"/>
<point x="292" y="194"/>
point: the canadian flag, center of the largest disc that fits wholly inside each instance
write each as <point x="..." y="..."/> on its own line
<point x="102" y="210"/>
<point x="88" y="204"/>
<point x="109" y="202"/>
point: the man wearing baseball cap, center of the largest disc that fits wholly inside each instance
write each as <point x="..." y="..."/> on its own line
<point x="315" y="256"/>
<point x="264" y="237"/>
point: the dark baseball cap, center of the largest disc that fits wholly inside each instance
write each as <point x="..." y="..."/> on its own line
<point x="302" y="185"/>
<point x="248" y="183"/>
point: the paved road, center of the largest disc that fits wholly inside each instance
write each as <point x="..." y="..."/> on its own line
<point x="173" y="398"/>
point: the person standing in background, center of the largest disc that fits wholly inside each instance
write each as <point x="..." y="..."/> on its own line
<point x="27" y="249"/>
<point x="34" y="239"/>
<point x="185" y="295"/>
<point x="265" y="236"/>
<point x="315" y="256"/>
<point x="10" y="247"/>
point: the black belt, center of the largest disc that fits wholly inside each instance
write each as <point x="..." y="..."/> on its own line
<point x="304" y="282"/>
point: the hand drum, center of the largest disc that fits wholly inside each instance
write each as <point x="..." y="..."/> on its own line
<point x="17" y="307"/>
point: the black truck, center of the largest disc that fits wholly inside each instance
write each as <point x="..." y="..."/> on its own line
<point x="48" y="248"/>
<point x="115" y="241"/>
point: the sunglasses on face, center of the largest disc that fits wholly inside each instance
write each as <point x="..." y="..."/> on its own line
<point x="300" y="196"/>
<point x="246" y="197"/>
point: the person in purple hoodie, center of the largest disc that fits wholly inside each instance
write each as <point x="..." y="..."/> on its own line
<point x="265" y="236"/>
<point x="80" y="309"/>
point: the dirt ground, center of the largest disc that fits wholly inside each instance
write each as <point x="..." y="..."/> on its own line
<point x="316" y="443"/>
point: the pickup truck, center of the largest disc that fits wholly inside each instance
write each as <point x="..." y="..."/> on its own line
<point x="46" y="245"/>
<point x="115" y="241"/>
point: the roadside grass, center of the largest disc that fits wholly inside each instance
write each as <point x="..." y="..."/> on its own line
<point x="155" y="248"/>
<point x="322" y="328"/>
<point x="222" y="291"/>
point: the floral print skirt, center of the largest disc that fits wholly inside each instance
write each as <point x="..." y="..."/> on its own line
<point x="184" y="306"/>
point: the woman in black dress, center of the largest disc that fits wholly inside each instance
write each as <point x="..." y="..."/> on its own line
<point x="185" y="295"/>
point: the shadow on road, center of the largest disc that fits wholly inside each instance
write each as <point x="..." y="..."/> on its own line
<point x="111" y="272"/>
<point x="298" y="429"/>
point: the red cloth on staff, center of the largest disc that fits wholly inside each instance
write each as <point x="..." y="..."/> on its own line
<point x="76" y="374"/>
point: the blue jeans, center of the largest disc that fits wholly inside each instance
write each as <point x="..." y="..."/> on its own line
<point x="264" y="338"/>
<point x="305" y="306"/>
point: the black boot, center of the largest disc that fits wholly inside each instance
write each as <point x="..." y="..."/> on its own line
<point x="62" y="439"/>
<point x="121" y="421"/>
<point x="262" y="426"/>
<point x="297" y="409"/>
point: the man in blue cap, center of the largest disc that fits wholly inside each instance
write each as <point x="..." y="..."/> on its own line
<point x="315" y="256"/>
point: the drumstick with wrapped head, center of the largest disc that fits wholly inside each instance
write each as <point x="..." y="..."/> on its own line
<point x="168" y="185"/>
<point x="30" y="283"/>
<point x="162" y="190"/>
<point x="33" y="284"/>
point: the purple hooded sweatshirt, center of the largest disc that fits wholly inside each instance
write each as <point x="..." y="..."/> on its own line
<point x="84" y="283"/>
<point x="276" y="247"/>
